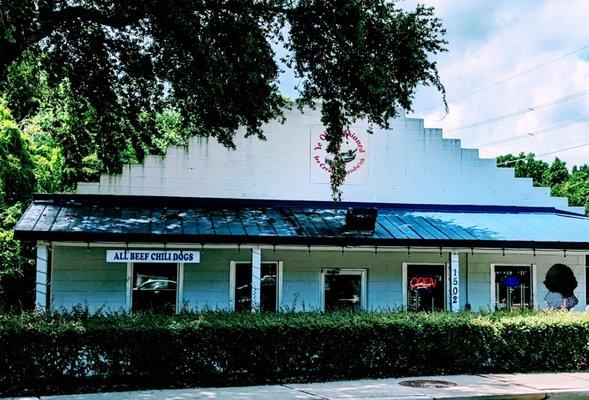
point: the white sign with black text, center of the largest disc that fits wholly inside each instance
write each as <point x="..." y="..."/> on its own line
<point x="454" y="282"/>
<point x="152" y="256"/>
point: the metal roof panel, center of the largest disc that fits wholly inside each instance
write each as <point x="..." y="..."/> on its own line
<point x="299" y="223"/>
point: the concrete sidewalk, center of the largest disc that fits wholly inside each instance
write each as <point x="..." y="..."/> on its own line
<point x="518" y="386"/>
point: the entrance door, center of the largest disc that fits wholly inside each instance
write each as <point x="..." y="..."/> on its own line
<point x="242" y="293"/>
<point x="343" y="289"/>
<point x="513" y="287"/>
<point x="426" y="287"/>
<point x="155" y="288"/>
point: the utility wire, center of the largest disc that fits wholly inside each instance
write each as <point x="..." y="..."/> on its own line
<point x="534" y="133"/>
<point x="540" y="155"/>
<point x="522" y="111"/>
<point x="455" y="99"/>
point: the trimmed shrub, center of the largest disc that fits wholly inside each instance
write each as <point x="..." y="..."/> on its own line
<point x="50" y="353"/>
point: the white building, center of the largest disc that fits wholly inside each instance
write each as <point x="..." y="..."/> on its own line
<point x="209" y="228"/>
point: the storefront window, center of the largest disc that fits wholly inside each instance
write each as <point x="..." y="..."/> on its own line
<point x="243" y="287"/>
<point x="342" y="290"/>
<point x="155" y="288"/>
<point x="513" y="287"/>
<point x="268" y="286"/>
<point x="425" y="287"/>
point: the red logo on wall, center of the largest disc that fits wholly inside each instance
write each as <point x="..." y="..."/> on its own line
<point x="352" y="152"/>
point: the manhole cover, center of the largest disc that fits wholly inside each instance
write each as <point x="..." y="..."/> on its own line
<point x="427" y="383"/>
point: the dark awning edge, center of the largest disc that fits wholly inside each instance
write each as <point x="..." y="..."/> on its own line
<point x="108" y="200"/>
<point x="89" y="237"/>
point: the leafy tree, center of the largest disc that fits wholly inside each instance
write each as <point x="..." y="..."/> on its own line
<point x="123" y="63"/>
<point x="168" y="125"/>
<point x="25" y="86"/>
<point x="17" y="274"/>
<point x="71" y="126"/>
<point x="17" y="183"/>
<point x="47" y="157"/>
<point x="557" y="173"/>
<point x="363" y="58"/>
<point x="526" y="167"/>
<point x="574" y="185"/>
<point x="17" y="178"/>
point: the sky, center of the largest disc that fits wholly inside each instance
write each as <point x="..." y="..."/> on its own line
<point x="494" y="40"/>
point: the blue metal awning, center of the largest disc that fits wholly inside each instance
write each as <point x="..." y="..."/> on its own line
<point x="89" y="218"/>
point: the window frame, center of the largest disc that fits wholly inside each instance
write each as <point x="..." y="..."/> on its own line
<point x="447" y="287"/>
<point x="232" y="279"/>
<point x="363" y="272"/>
<point x="179" y="287"/>
<point x="533" y="277"/>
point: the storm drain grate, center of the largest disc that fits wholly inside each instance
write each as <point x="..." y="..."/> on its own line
<point x="427" y="383"/>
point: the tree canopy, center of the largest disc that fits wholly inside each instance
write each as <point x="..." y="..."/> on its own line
<point x="574" y="184"/>
<point x="116" y="66"/>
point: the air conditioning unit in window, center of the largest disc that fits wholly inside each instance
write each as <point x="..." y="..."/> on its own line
<point x="360" y="220"/>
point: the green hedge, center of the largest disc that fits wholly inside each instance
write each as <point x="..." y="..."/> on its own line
<point x="45" y="353"/>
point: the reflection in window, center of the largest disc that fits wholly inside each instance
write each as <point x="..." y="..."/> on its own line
<point x="155" y="288"/>
<point x="268" y="286"/>
<point x="342" y="291"/>
<point x="513" y="287"/>
<point x="243" y="287"/>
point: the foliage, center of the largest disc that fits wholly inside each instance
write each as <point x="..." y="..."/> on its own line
<point x="526" y="166"/>
<point x="123" y="63"/>
<point x="169" y="125"/>
<point x="17" y="179"/>
<point x="576" y="187"/>
<point x="22" y="168"/>
<point x="16" y="275"/>
<point x="45" y="353"/>
<point x="557" y="173"/>
<point x="366" y="67"/>
<point x="574" y="184"/>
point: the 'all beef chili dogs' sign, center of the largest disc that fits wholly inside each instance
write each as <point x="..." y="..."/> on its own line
<point x="152" y="256"/>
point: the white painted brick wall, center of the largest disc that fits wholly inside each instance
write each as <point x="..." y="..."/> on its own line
<point x="407" y="164"/>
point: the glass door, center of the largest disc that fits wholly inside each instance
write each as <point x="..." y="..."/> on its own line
<point x="268" y="286"/>
<point x="343" y="290"/>
<point x="426" y="287"/>
<point x="513" y="287"/>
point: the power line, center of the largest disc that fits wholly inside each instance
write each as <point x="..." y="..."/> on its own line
<point x="522" y="111"/>
<point x="534" y="133"/>
<point x="540" y="155"/>
<point x="455" y="99"/>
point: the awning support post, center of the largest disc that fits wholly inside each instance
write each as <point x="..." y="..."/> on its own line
<point x="41" y="277"/>
<point x="256" y="278"/>
<point x="454" y="282"/>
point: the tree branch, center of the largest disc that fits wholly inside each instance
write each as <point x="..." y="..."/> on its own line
<point x="92" y="15"/>
<point x="50" y="20"/>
